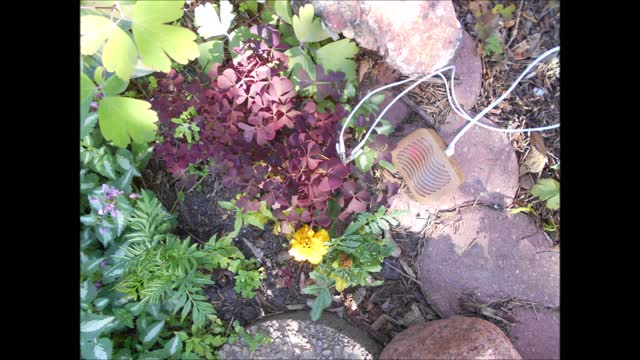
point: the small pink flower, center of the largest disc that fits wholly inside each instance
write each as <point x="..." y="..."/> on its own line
<point x="134" y="196"/>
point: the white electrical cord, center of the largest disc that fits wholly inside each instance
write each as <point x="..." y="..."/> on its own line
<point x="340" y="145"/>
<point x="454" y="105"/>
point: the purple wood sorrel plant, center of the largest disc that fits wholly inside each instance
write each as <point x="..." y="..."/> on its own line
<point x="256" y="138"/>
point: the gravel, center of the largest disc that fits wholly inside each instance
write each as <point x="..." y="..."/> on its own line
<point x="298" y="337"/>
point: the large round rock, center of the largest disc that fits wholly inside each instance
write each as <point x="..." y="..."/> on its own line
<point x="492" y="256"/>
<point x="418" y="37"/>
<point x="456" y="337"/>
<point x="296" y="336"/>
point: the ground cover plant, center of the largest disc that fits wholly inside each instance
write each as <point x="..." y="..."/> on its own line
<point x="256" y="103"/>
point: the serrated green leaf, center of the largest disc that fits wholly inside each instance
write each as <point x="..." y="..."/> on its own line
<point x="308" y="27"/>
<point x="185" y="311"/>
<point x="211" y="52"/>
<point x="157" y="41"/>
<point x="283" y="9"/>
<point x="124" y="118"/>
<point x="320" y="303"/>
<point x="338" y="56"/>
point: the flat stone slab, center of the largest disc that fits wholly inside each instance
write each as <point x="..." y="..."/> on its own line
<point x="537" y="336"/>
<point x="492" y="255"/>
<point x="469" y="69"/>
<point x="490" y="169"/>
<point x="457" y="337"/>
<point x="488" y="162"/>
<point x="296" y="336"/>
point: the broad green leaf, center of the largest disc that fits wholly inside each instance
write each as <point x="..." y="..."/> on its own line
<point x="87" y="93"/>
<point x="119" y="54"/>
<point x="96" y="324"/>
<point x="307" y="27"/>
<point x="338" y="56"/>
<point x="283" y="9"/>
<point x="173" y="346"/>
<point x="123" y="118"/>
<point x="100" y="303"/>
<point x="114" y="85"/>
<point x="548" y="190"/>
<point x="102" y="349"/>
<point x="98" y="75"/>
<point x="157" y="41"/>
<point x="87" y="88"/>
<point x="376" y="99"/>
<point x="211" y="52"/>
<point x="94" y="31"/>
<point x="364" y="162"/>
<point x="299" y="59"/>
<point x="384" y="127"/>
<point x="87" y="291"/>
<point x="152" y="333"/>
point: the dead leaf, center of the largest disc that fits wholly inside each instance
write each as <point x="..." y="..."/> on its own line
<point x="536" y="159"/>
<point x="509" y="23"/>
<point x="345" y="261"/>
<point x="363" y="68"/>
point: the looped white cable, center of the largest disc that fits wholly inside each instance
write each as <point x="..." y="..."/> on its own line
<point x="454" y="105"/>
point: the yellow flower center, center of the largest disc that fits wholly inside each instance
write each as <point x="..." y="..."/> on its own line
<point x="309" y="245"/>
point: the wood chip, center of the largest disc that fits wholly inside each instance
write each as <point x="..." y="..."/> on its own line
<point x="413" y="316"/>
<point x="407" y="269"/>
